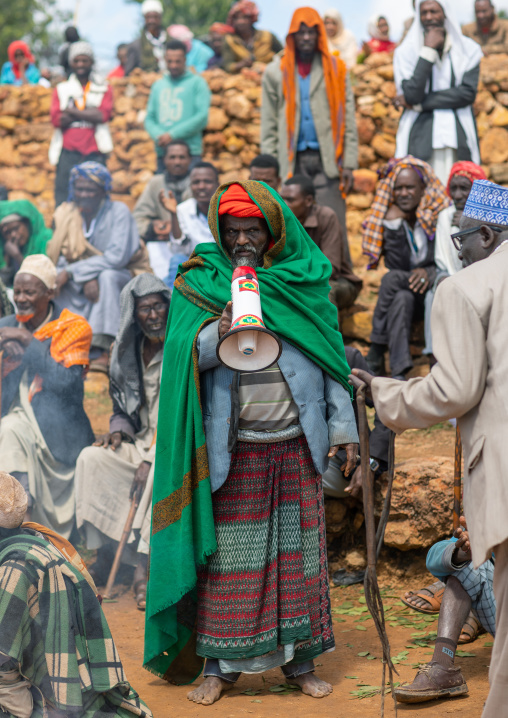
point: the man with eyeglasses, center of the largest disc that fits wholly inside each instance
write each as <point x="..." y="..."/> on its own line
<point x="470" y="382"/>
<point x="121" y="461"/>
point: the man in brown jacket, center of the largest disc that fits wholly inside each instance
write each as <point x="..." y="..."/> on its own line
<point x="489" y="30"/>
<point x="470" y="382"/>
<point x="324" y="229"/>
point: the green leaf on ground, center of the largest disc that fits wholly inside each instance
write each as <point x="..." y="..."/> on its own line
<point x="465" y="654"/>
<point x="363" y="654"/>
<point x="366" y="691"/>
<point x="371" y="658"/>
<point x="284" y="689"/>
<point x="360" y="628"/>
<point x="256" y="701"/>
<point x="250" y="692"/>
<point x="489" y="644"/>
<point x="355" y="678"/>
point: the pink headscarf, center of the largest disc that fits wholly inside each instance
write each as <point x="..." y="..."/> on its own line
<point x="182" y="33"/>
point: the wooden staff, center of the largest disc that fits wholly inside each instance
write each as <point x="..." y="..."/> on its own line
<point x="372" y="594"/>
<point x="457" y="480"/>
<point x="136" y="497"/>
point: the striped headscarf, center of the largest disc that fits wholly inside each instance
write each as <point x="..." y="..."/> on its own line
<point x="334" y="71"/>
<point x="465" y="169"/>
<point x="245" y="7"/>
<point x="433" y="201"/>
<point x="93" y="171"/>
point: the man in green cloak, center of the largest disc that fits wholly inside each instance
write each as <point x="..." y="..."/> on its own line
<point x="238" y="572"/>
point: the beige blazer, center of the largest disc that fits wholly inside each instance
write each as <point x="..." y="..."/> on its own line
<point x="470" y="382"/>
<point x="274" y="127"/>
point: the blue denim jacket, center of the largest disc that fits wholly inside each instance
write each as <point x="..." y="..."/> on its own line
<point x="326" y="411"/>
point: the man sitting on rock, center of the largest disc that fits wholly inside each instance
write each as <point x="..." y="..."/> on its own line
<point x="265" y="168"/>
<point x="96" y="248"/>
<point x="120" y="462"/>
<point x="488" y="30"/>
<point x="401" y="227"/>
<point x="189" y="220"/>
<point x="323" y="227"/>
<point x="44" y="425"/>
<point x="152" y="220"/>
<point x="466" y="589"/>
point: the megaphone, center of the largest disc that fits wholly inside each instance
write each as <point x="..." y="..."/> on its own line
<point x="249" y="345"/>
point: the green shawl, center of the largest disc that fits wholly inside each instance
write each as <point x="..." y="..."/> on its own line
<point x="39" y="234"/>
<point x="294" y="290"/>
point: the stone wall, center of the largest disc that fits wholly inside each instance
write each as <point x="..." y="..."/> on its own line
<point x="232" y="136"/>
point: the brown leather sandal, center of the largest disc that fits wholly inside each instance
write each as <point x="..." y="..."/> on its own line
<point x="436" y="591"/>
<point x="471" y="629"/>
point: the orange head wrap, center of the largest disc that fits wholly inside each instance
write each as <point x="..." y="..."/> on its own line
<point x="236" y="202"/>
<point x="335" y="73"/>
<point x="13" y="48"/>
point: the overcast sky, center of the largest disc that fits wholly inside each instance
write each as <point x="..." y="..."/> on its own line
<point x="109" y="22"/>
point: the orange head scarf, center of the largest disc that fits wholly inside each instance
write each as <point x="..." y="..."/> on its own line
<point x="334" y="70"/>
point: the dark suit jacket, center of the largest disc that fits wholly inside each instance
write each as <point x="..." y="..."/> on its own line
<point x="58" y="408"/>
<point x="397" y="252"/>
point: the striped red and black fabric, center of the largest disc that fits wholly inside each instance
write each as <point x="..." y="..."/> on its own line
<point x="267" y="583"/>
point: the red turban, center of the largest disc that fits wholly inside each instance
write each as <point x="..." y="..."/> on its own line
<point x="465" y="169"/>
<point x="246" y="7"/>
<point x="236" y="202"/>
<point x="221" y="28"/>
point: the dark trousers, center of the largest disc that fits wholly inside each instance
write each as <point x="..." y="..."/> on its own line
<point x="343" y="293"/>
<point x="328" y="192"/>
<point x="68" y="160"/>
<point x="393" y="316"/>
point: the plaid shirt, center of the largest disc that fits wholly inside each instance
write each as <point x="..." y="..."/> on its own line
<point x="53" y="626"/>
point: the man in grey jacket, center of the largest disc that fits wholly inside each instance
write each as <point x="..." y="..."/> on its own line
<point x="269" y="436"/>
<point x="308" y="113"/>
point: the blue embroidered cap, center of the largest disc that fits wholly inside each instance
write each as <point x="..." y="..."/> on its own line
<point x="487" y="202"/>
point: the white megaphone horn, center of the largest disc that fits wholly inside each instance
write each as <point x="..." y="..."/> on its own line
<point x="249" y="345"/>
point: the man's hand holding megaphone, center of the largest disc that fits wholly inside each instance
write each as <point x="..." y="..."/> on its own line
<point x="351" y="449"/>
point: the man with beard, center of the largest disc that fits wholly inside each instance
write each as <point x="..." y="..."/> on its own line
<point x="189" y="220"/>
<point x="44" y="425"/>
<point x="96" y="249"/>
<point x="238" y="514"/>
<point x="121" y="462"/>
<point x="489" y="30"/>
<point x="436" y="73"/>
<point x="80" y="110"/>
<point x="470" y="382"/>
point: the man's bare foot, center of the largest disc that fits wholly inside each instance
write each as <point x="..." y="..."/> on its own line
<point x="311" y="685"/>
<point x="209" y="691"/>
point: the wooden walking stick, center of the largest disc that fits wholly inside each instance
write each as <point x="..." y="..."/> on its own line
<point x="372" y="595"/>
<point x="457" y="480"/>
<point x="136" y="497"/>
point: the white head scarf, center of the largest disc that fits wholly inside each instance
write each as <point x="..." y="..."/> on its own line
<point x="464" y="55"/>
<point x="152" y="6"/>
<point x="373" y="29"/>
<point x="344" y="42"/>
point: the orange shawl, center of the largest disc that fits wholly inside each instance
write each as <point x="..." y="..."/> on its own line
<point x="334" y="70"/>
<point x="71" y="337"/>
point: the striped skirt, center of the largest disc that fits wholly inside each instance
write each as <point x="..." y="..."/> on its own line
<point x="267" y="584"/>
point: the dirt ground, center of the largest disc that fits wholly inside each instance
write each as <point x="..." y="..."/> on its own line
<point x="348" y="672"/>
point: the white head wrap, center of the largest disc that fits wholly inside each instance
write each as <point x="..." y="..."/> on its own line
<point x="464" y="55"/>
<point x="13" y="502"/>
<point x="14" y="217"/>
<point x="41" y="267"/>
<point x="80" y="48"/>
<point x="152" y="6"/>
